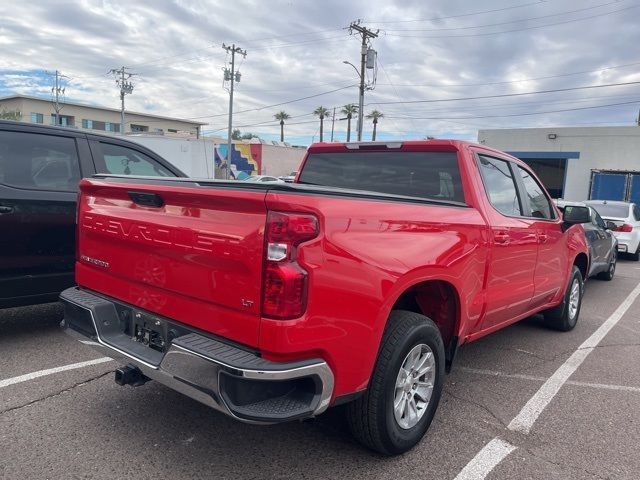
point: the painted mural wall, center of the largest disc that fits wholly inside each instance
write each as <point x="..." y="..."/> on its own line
<point x="246" y="160"/>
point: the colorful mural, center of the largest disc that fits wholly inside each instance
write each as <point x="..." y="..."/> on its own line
<point x="246" y="160"/>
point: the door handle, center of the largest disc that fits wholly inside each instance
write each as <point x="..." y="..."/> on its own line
<point x="5" y="209"/>
<point x="542" y="237"/>
<point x="501" y="237"/>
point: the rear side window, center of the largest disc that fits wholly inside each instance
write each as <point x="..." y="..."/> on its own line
<point x="538" y="201"/>
<point x="120" y="160"/>
<point x="500" y="185"/>
<point x="429" y="175"/>
<point x="39" y="162"/>
<point x="636" y="213"/>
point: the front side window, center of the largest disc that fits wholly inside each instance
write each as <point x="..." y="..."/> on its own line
<point x="120" y="160"/>
<point x="538" y="201"/>
<point x="39" y="162"/>
<point x="597" y="219"/>
<point x="500" y="185"/>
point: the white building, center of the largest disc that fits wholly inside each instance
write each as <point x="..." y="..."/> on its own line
<point x="577" y="163"/>
<point x="92" y="117"/>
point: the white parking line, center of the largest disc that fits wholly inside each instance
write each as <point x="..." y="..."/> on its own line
<point x="531" y="411"/>
<point x="603" y="386"/>
<point x="494" y="452"/>
<point x="486" y="460"/>
<point x="51" y="371"/>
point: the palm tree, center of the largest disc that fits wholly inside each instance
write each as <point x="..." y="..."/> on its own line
<point x="321" y="112"/>
<point x="375" y="115"/>
<point x="349" y="110"/>
<point x="282" y="116"/>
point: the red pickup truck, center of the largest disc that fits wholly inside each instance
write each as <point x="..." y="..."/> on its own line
<point x="354" y="284"/>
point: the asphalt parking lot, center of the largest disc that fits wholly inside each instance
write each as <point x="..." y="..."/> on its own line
<point x="77" y="423"/>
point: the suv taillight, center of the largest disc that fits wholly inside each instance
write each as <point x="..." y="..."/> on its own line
<point x="284" y="293"/>
<point x="625" y="227"/>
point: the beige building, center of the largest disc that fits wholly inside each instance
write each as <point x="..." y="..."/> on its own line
<point x="100" y="119"/>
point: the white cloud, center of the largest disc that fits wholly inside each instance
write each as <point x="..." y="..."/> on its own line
<point x="296" y="48"/>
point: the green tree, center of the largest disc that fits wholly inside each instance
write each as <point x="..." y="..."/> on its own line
<point x="282" y="116"/>
<point x="349" y="110"/>
<point x="10" y="114"/>
<point x="375" y="115"/>
<point x="236" y="134"/>
<point x="321" y="112"/>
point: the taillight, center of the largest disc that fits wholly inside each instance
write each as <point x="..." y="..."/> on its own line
<point x="625" y="227"/>
<point x="284" y="293"/>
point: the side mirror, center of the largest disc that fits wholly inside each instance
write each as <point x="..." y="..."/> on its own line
<point x="610" y="225"/>
<point x="576" y="214"/>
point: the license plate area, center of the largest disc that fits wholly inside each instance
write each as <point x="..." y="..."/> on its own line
<point x="150" y="331"/>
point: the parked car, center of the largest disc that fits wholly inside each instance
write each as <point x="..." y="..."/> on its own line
<point x="357" y="284"/>
<point x="263" y="179"/>
<point x="40" y="167"/>
<point x="603" y="245"/>
<point x="625" y="223"/>
<point x="289" y="178"/>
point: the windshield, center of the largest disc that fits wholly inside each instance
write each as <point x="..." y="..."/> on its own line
<point x="609" y="210"/>
<point x="431" y="175"/>
<point x="251" y="179"/>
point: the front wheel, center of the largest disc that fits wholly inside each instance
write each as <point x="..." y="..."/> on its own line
<point x="565" y="316"/>
<point x="396" y="410"/>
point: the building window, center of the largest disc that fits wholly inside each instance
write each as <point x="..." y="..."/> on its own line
<point x="87" y="123"/>
<point x="172" y="130"/>
<point x="37" y="118"/>
<point x="139" y="128"/>
<point x="63" y="120"/>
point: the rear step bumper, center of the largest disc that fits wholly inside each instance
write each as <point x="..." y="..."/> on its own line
<point x="220" y="374"/>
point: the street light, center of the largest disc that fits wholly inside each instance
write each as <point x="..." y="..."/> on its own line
<point x="361" y="99"/>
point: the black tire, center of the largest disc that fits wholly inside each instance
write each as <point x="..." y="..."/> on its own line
<point x="371" y="417"/>
<point x="563" y="317"/>
<point x="636" y="256"/>
<point x="611" y="270"/>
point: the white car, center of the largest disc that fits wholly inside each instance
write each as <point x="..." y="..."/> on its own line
<point x="626" y="219"/>
<point x="263" y="179"/>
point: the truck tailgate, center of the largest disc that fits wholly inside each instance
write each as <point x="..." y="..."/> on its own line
<point x="189" y="253"/>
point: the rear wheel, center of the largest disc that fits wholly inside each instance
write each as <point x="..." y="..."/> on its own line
<point x="565" y="316"/>
<point x="636" y="256"/>
<point x="608" y="275"/>
<point x="396" y="410"/>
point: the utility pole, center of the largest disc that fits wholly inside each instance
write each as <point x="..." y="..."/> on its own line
<point x="333" y="122"/>
<point x="56" y="91"/>
<point x="364" y="53"/>
<point x="232" y="77"/>
<point x="126" y="87"/>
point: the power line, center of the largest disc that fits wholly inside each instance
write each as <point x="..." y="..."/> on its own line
<point x="273" y="105"/>
<point x="525" y="114"/>
<point x="481" y="12"/>
<point x="514" y="30"/>
<point x="505" y="82"/>
<point x="508" y="22"/>
<point x="403" y="102"/>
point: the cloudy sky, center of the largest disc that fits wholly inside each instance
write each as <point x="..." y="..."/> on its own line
<point x="435" y="59"/>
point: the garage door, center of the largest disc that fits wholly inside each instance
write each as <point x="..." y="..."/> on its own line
<point x="609" y="186"/>
<point x="634" y="190"/>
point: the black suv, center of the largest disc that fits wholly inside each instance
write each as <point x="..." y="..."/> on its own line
<point x="40" y="167"/>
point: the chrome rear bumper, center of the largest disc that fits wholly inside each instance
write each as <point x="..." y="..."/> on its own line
<point x="220" y="374"/>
